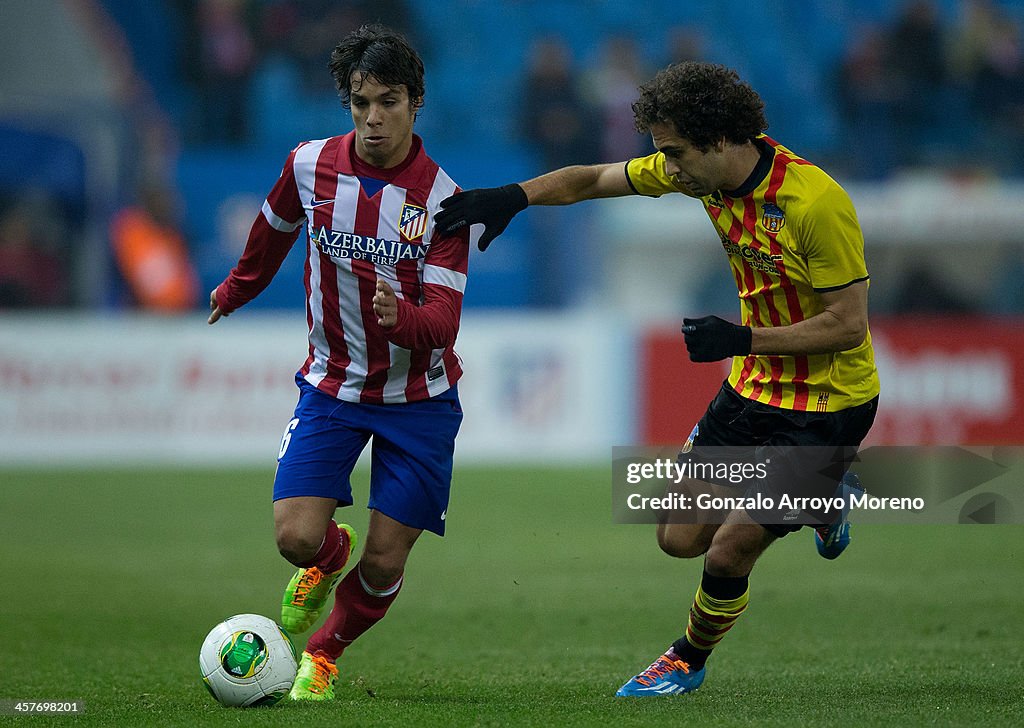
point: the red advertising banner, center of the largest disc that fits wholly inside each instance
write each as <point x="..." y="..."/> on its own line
<point x="945" y="381"/>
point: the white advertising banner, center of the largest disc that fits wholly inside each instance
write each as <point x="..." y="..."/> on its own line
<point x="134" y="389"/>
<point x="119" y="389"/>
<point x="544" y="388"/>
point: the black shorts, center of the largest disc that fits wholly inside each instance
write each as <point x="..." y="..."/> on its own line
<point x="808" y="452"/>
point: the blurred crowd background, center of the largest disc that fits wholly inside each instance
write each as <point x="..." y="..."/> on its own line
<point x="137" y="140"/>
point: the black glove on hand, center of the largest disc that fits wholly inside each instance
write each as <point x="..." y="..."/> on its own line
<point x="712" y="338"/>
<point x="493" y="206"/>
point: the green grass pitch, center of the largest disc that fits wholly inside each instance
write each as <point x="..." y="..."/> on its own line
<point x="532" y="611"/>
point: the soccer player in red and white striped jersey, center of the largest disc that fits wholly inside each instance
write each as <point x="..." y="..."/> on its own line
<point x="383" y="301"/>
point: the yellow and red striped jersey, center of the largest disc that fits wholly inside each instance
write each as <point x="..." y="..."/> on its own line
<point x="789" y="237"/>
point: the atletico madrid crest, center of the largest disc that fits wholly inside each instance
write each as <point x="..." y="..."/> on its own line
<point x="772" y="217"/>
<point x="413" y="222"/>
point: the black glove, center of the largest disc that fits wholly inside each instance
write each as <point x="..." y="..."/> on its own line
<point x="712" y="338"/>
<point x="493" y="206"/>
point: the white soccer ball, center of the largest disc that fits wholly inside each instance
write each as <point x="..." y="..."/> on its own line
<point x="247" y="660"/>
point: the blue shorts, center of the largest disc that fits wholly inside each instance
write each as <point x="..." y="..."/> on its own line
<point x="411" y="463"/>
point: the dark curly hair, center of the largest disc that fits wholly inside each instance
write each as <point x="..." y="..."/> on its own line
<point x="375" y="50"/>
<point x="703" y="101"/>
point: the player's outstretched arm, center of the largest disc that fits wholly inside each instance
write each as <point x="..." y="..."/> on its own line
<point x="568" y="185"/>
<point x="496" y="206"/>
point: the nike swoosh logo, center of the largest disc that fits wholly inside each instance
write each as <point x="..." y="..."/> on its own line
<point x="313" y="202"/>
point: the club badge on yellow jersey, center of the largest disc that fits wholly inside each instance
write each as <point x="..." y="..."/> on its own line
<point x="772" y="217"/>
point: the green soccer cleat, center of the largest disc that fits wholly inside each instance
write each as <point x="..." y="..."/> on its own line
<point x="308" y="591"/>
<point x="315" y="679"/>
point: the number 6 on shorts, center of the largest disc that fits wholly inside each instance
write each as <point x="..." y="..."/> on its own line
<point x="287" y="437"/>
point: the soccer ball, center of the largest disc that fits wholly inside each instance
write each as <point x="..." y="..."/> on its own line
<point x="247" y="660"/>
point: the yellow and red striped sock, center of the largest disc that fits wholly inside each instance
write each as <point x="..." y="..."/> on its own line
<point x="711" y="617"/>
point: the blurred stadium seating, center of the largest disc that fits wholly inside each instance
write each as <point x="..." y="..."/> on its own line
<point x="127" y="93"/>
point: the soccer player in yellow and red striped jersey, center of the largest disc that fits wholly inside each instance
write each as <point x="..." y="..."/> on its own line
<point x="803" y="370"/>
<point x="791" y="234"/>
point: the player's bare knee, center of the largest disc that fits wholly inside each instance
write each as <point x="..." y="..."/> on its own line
<point x="382" y="567"/>
<point x="721" y="562"/>
<point x="729" y="558"/>
<point x="679" y="543"/>
<point x="297" y="545"/>
<point x="380" y="572"/>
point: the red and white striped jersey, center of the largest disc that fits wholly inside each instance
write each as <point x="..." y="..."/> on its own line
<point x="363" y="224"/>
